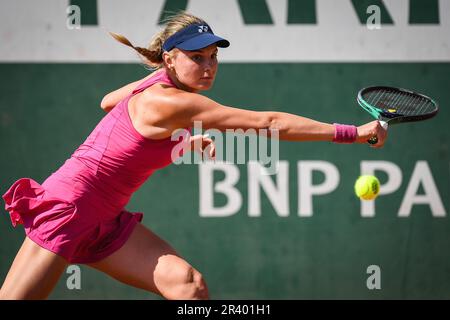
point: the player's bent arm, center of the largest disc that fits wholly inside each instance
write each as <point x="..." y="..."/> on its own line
<point x="110" y="100"/>
<point x="194" y="107"/>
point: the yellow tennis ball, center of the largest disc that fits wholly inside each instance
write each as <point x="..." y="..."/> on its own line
<point x="367" y="187"/>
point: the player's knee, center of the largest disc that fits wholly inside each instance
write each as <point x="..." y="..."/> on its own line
<point x="178" y="280"/>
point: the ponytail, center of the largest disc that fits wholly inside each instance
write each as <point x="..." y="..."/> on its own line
<point x="153" y="55"/>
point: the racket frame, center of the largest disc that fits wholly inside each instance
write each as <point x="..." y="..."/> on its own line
<point x="384" y="117"/>
<point x="378" y="113"/>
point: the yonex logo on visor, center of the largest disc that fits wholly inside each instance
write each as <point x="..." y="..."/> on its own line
<point x="194" y="37"/>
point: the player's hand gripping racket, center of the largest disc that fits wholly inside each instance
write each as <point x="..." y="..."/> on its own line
<point x="394" y="105"/>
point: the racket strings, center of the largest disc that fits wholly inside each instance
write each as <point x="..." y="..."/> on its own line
<point x="427" y="106"/>
<point x="374" y="95"/>
<point x="415" y="105"/>
<point x="399" y="100"/>
<point x="406" y="105"/>
<point x="403" y="103"/>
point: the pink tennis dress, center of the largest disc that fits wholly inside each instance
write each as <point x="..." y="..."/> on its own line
<point x="79" y="211"/>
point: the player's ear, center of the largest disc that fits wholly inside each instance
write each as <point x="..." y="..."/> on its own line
<point x="168" y="58"/>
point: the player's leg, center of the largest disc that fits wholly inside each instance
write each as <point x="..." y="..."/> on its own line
<point x="148" y="262"/>
<point x="33" y="274"/>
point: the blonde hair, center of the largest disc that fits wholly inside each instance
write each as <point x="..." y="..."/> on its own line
<point x="153" y="54"/>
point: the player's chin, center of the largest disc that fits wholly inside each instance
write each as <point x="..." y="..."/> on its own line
<point x="205" y="84"/>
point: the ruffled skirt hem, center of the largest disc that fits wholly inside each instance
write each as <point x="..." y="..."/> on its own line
<point x="58" y="226"/>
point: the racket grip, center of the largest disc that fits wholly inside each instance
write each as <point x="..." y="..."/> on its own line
<point x="384" y="124"/>
<point x="374" y="139"/>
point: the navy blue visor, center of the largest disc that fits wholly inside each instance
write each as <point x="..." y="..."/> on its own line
<point x="194" y="37"/>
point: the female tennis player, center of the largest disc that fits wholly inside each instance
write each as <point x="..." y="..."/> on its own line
<point x="78" y="214"/>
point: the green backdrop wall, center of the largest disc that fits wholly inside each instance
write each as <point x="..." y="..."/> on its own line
<point x="48" y="109"/>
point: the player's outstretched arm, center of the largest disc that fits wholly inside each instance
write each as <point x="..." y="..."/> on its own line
<point x="190" y="107"/>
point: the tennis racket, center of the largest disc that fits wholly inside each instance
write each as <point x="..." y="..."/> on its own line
<point x="392" y="105"/>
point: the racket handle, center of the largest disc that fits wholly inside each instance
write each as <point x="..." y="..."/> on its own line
<point x="374" y="139"/>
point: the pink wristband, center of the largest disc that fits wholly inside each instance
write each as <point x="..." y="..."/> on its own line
<point x="344" y="133"/>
